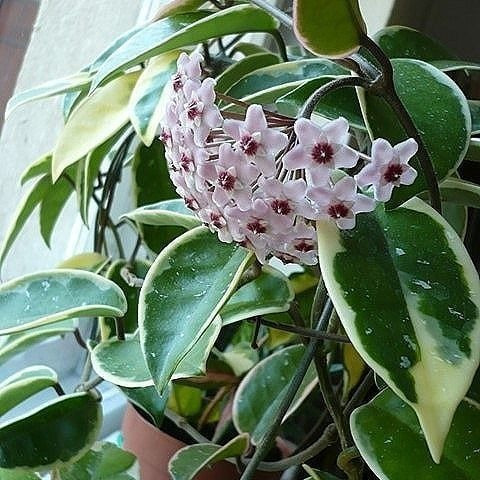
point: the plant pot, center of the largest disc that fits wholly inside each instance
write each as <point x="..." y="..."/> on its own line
<point x="154" y="448"/>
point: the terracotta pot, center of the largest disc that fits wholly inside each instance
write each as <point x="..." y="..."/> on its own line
<point x="154" y="448"/>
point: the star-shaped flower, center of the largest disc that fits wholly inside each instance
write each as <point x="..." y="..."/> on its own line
<point x="389" y="167"/>
<point x="320" y="149"/>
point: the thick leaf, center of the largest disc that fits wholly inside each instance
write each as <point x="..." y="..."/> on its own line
<point x="405" y="42"/>
<point x="455" y="65"/>
<point x="269" y="293"/>
<point x="339" y="103"/>
<point x="17" y="475"/>
<point x="446" y="138"/>
<point x="40" y="167"/>
<point x="353" y="369"/>
<point x="24" y="210"/>
<point x="149" y="401"/>
<point x="51" y="296"/>
<point x="184" y="290"/>
<point x="122" y="362"/>
<point x="261" y="391"/>
<point x="51" y="207"/>
<point x="318" y="475"/>
<point x="145" y="105"/>
<point x="391" y="281"/>
<point x="460" y="192"/>
<point x="70" y="423"/>
<point x="24" y="384"/>
<point x="328" y="29"/>
<point x="166" y="213"/>
<point x="87" y="175"/>
<point x="475" y="114"/>
<point x="269" y="83"/>
<point x="189" y="461"/>
<point x="457" y="216"/>
<point x="95" y="120"/>
<point x="90" y="261"/>
<point x="11" y="345"/>
<point x="55" y="87"/>
<point x="150" y="164"/>
<point x="232" y="74"/>
<point x="139" y="268"/>
<point x="174" y="7"/>
<point x="182" y="30"/>
<point x="391" y="442"/>
<point x="473" y="152"/>
<point x="185" y="400"/>
<point x="104" y="462"/>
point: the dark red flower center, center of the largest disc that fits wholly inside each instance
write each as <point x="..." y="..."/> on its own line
<point x="304" y="246"/>
<point x="191" y="203"/>
<point x="338" y="210"/>
<point x="256" y="227"/>
<point x="226" y="181"/>
<point x="186" y="162"/>
<point x="165" y="136"/>
<point x="322" y="152"/>
<point x="217" y="220"/>
<point x="282" y="207"/>
<point x="393" y="173"/>
<point x="248" y="145"/>
<point x="177" y="82"/>
<point x="193" y="110"/>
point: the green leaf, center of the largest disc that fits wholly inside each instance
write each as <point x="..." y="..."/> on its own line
<point x="132" y="293"/>
<point x="11" y="345"/>
<point x="457" y="216"/>
<point x="184" y="290"/>
<point x="24" y="210"/>
<point x="122" y="362"/>
<point x="455" y="65"/>
<point x="460" y="192"/>
<point x="51" y="207"/>
<point x="390" y="280"/>
<point x="165" y="213"/>
<point x="246" y="65"/>
<point x="446" y="139"/>
<point x="318" y="475"/>
<point x="150" y="163"/>
<point x="55" y="87"/>
<point x="149" y="401"/>
<point x="174" y="7"/>
<point x="328" y="29"/>
<point x="475" y="114"/>
<point x="240" y="357"/>
<point x="384" y="427"/>
<point x="405" y="42"/>
<point x="339" y="103"/>
<point x="182" y="30"/>
<point x="71" y="424"/>
<point x="268" y="293"/>
<point x="95" y="120"/>
<point x="473" y="152"/>
<point x="145" y="105"/>
<point x="90" y="261"/>
<point x="24" y="384"/>
<point x="87" y="175"/>
<point x="51" y="296"/>
<point x="189" y="461"/>
<point x="17" y="475"/>
<point x="257" y="398"/>
<point x="185" y="400"/>
<point x="269" y="83"/>
<point x="40" y="167"/>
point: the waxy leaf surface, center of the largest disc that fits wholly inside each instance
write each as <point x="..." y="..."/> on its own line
<point x="403" y="279"/>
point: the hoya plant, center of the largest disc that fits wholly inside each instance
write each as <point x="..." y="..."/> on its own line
<point x="299" y="293"/>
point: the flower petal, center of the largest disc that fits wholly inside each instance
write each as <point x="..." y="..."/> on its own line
<point x="296" y="158"/>
<point x="255" y="120"/>
<point x="406" y="150"/>
<point x="345" y="157"/>
<point x="337" y="130"/>
<point x="307" y="131"/>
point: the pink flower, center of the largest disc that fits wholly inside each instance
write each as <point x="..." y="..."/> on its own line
<point x="256" y="140"/>
<point x="301" y="243"/>
<point x="199" y="111"/>
<point x="188" y="68"/>
<point x="389" y="167"/>
<point x="320" y="149"/>
<point x="341" y="203"/>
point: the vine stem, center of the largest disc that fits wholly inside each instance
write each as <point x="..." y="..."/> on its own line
<point x="285" y="402"/>
<point x="390" y="95"/>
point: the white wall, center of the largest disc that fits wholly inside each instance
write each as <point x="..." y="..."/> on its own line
<point x="68" y="35"/>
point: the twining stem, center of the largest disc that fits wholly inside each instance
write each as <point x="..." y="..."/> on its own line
<point x="340" y="82"/>
<point x="284" y="405"/>
<point x="390" y="95"/>
<point x="282" y="49"/>
<point x="303" y="331"/>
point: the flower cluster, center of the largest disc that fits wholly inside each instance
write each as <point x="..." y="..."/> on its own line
<point x="262" y="179"/>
